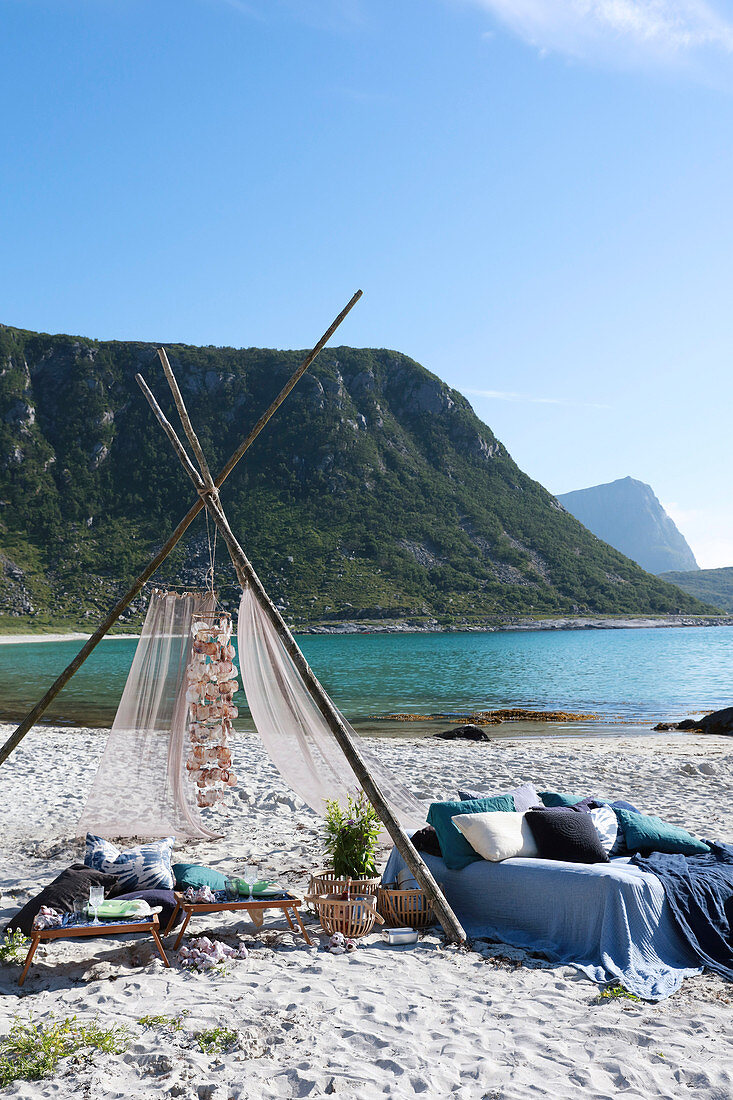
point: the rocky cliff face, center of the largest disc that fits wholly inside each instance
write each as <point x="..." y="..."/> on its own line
<point x="376" y="493"/>
<point x="626" y="514"/>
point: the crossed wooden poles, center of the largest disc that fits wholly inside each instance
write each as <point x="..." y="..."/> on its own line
<point x="63" y="678"/>
<point x="207" y="488"/>
<point x="208" y="492"/>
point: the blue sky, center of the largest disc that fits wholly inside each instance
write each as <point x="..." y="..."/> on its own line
<point x="534" y="195"/>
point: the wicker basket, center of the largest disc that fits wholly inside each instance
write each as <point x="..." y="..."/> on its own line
<point x="405" y="908"/>
<point x="326" y="882"/>
<point x="353" y="917"/>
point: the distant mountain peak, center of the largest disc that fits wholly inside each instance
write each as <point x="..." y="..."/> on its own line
<point x="627" y="514"/>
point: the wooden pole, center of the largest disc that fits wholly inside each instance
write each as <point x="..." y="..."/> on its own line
<point x="193" y="439"/>
<point x="247" y="576"/>
<point x="33" y="715"/>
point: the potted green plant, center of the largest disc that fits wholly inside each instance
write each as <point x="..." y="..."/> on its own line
<point x="351" y="836"/>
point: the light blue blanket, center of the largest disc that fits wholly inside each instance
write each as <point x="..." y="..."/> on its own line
<point x="611" y="920"/>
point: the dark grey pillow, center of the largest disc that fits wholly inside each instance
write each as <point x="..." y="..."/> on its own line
<point x="426" y="840"/>
<point x="72" y="883"/>
<point x="562" y="833"/>
<point x="166" y="899"/>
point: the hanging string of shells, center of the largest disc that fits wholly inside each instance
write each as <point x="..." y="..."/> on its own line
<point x="212" y="680"/>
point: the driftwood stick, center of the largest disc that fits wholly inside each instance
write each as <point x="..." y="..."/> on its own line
<point x="247" y="576"/>
<point x="63" y="678"/>
<point x="170" y="431"/>
<point x="193" y="439"/>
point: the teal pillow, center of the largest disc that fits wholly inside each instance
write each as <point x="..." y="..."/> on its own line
<point x="456" y="850"/>
<point x="644" y="833"/>
<point x="554" y="798"/>
<point x="193" y="874"/>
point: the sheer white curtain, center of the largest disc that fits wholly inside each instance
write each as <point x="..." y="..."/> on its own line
<point x="141" y="787"/>
<point x="293" y="730"/>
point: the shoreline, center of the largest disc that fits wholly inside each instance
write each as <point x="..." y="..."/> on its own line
<point x="569" y="623"/>
<point x="404" y="626"/>
<point x="388" y="729"/>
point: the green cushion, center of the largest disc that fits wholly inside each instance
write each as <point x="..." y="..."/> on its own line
<point x="644" y="833"/>
<point x="193" y="874"/>
<point x="554" y="798"/>
<point x="456" y="850"/>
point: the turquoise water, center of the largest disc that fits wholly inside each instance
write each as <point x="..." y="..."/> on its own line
<point x="636" y="675"/>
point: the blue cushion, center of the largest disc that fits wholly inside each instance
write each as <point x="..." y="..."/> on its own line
<point x="457" y="852"/>
<point x="619" y="804"/>
<point x="644" y="833"/>
<point x="554" y="798"/>
<point x="146" y="867"/>
<point x="196" y="876"/>
<point x="525" y="797"/>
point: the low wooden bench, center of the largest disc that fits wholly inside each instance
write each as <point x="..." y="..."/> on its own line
<point x="85" y="931"/>
<point x="290" y="904"/>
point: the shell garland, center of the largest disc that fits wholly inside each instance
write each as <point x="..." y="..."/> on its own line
<point x="212" y="680"/>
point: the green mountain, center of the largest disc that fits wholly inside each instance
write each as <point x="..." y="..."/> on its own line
<point x="626" y="514"/>
<point x="376" y="493"/>
<point x="712" y="586"/>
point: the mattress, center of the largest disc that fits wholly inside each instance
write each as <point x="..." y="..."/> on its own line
<point x="610" y="920"/>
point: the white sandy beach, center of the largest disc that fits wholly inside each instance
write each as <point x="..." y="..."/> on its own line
<point x="424" y="1021"/>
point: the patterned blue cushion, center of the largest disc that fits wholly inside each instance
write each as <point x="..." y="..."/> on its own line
<point x="147" y="867"/>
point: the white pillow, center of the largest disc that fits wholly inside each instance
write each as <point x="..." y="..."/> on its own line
<point x="606" y="824"/>
<point x="497" y="835"/>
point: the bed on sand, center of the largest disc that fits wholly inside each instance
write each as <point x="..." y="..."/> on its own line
<point x="610" y="920"/>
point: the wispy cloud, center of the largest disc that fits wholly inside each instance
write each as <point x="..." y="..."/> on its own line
<point x="628" y="29"/>
<point x="504" y="395"/>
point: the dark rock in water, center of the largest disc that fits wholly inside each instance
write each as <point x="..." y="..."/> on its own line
<point x="719" y="722"/>
<point x="664" y="726"/>
<point x="469" y="732"/>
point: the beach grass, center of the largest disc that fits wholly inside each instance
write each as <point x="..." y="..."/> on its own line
<point x="170" y="1024"/>
<point x="617" y="992"/>
<point x="215" y="1040"/>
<point x="31" y="1051"/>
